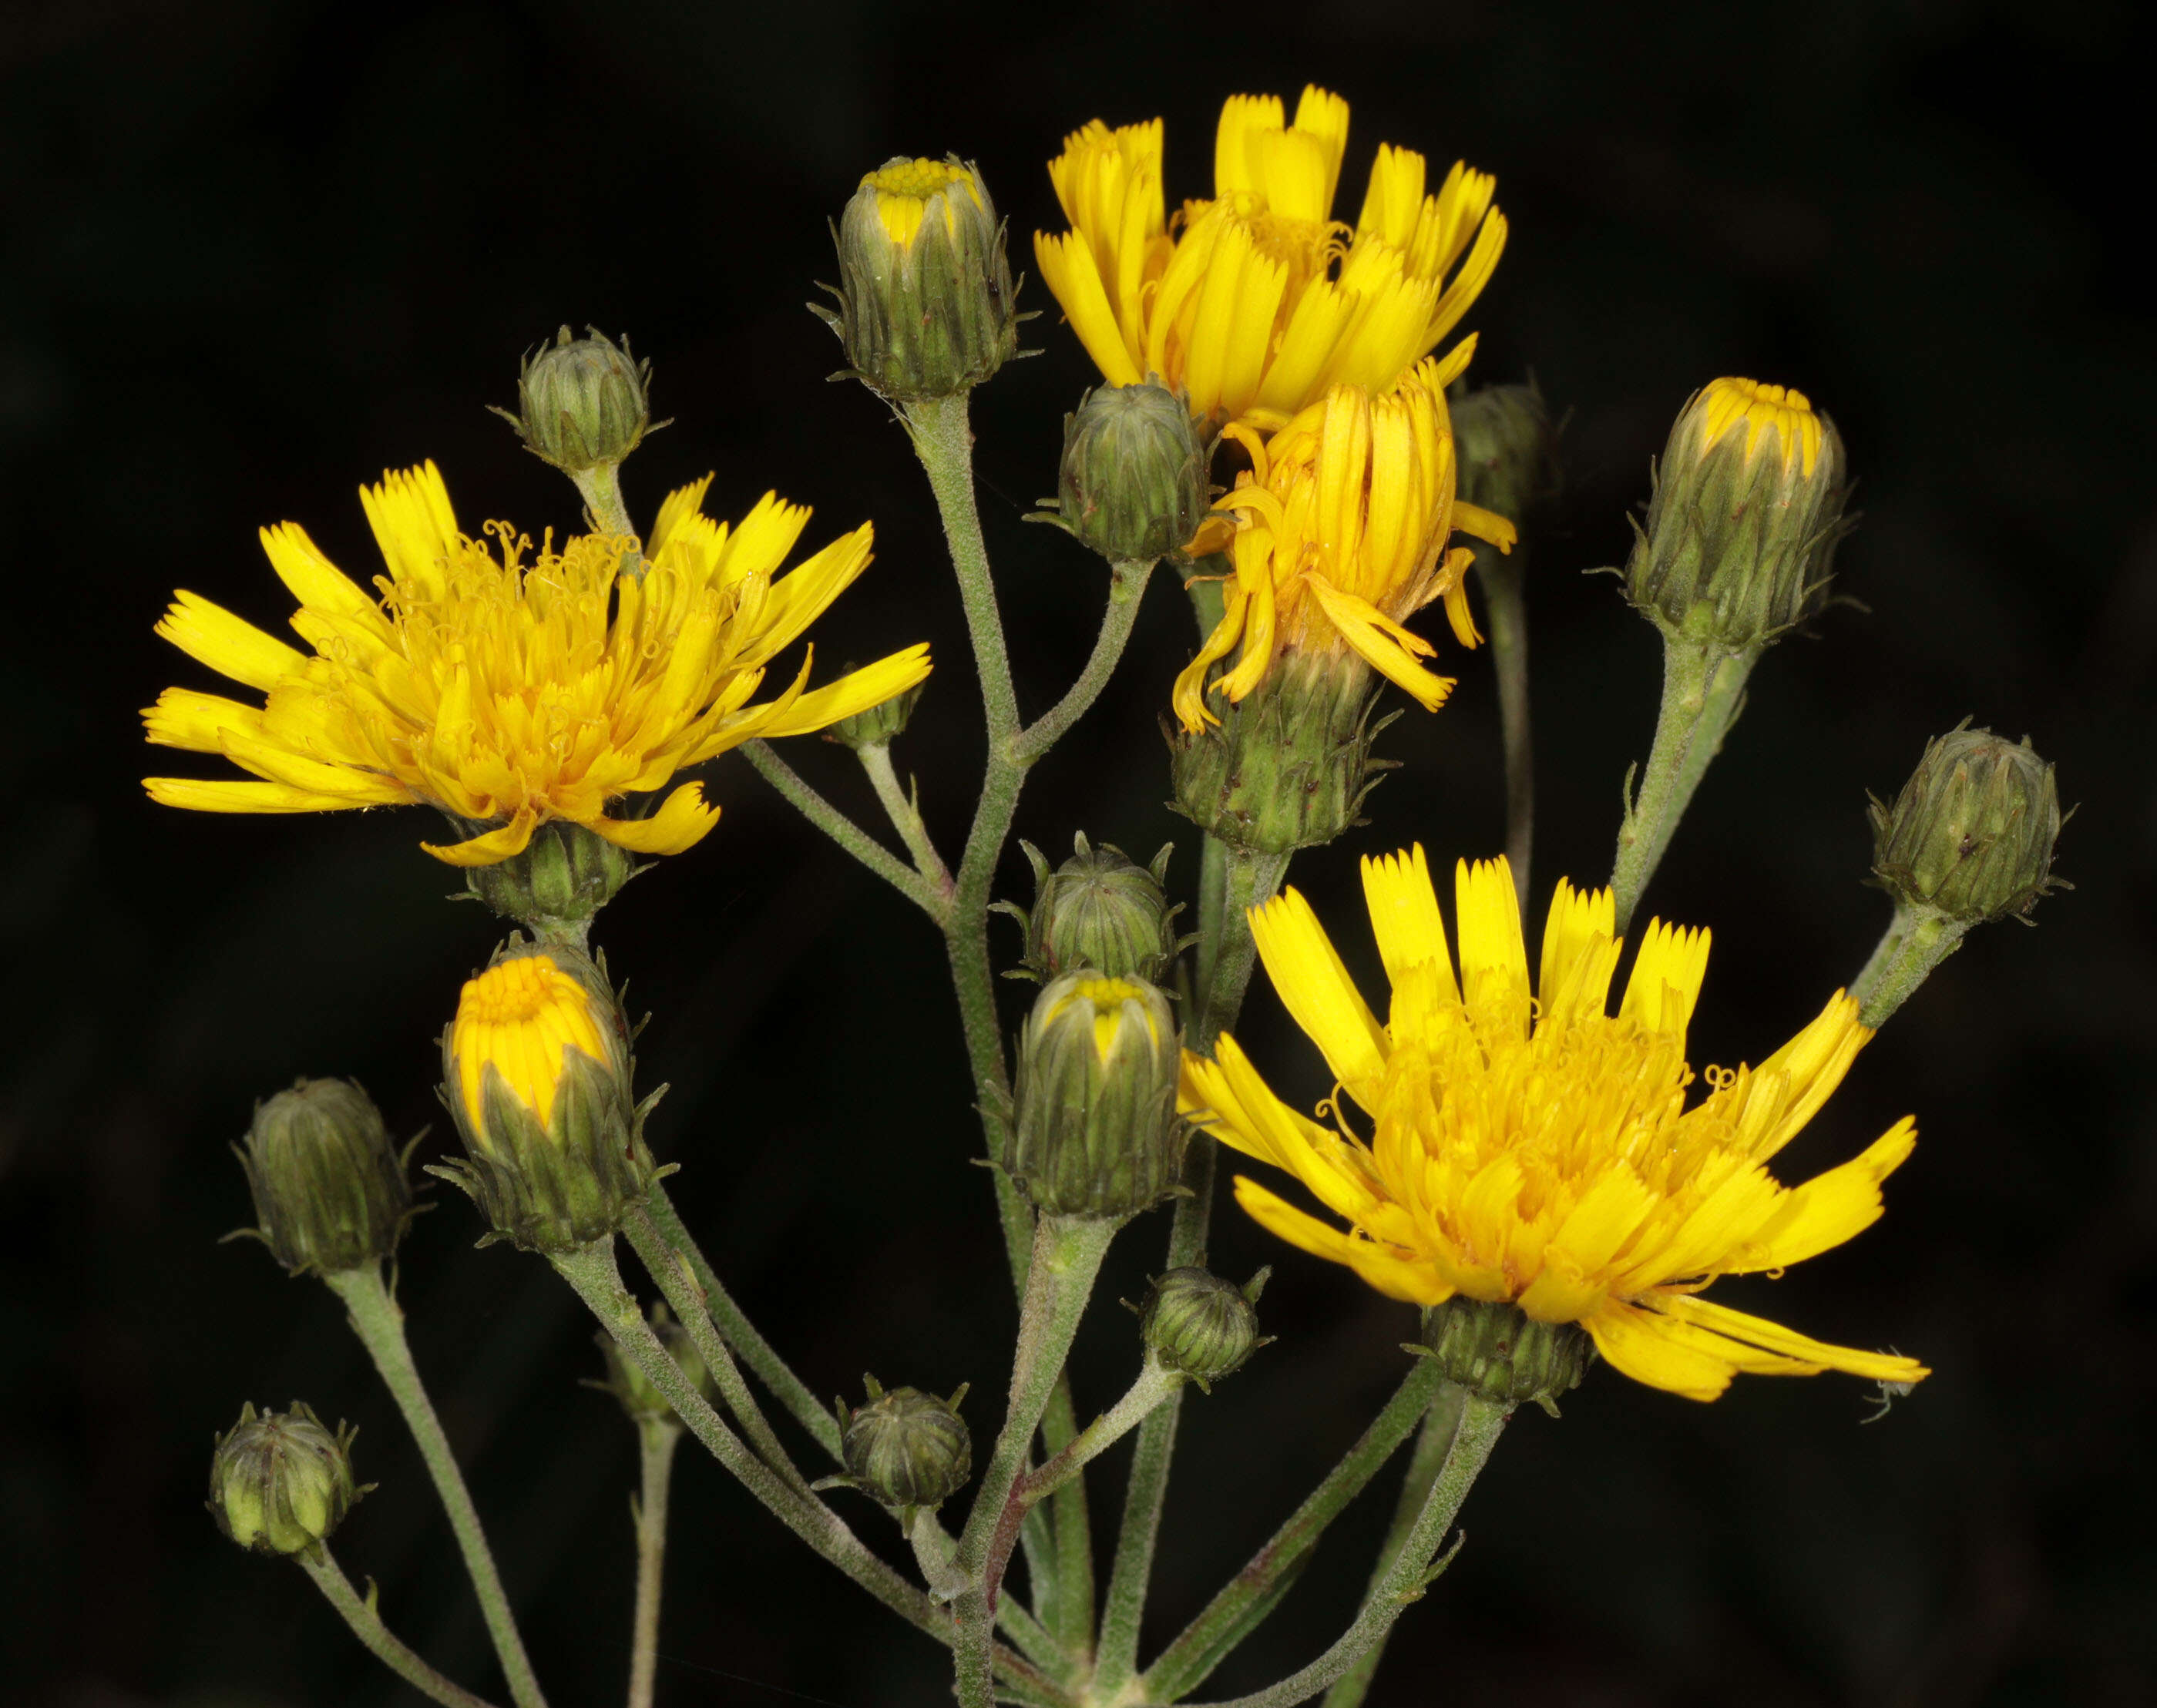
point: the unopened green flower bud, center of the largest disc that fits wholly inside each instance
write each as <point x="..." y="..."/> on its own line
<point x="537" y="1070"/>
<point x="1498" y="1352"/>
<point x="1094" y="1130"/>
<point x="1098" y="909"/>
<point x="1506" y="449"/>
<point x="1747" y="506"/>
<point x="280" y="1482"/>
<point x="1201" y="1326"/>
<point x="881" y="724"/>
<point x="329" y="1187"/>
<point x="1288" y="765"/>
<point x="630" y="1384"/>
<point x="558" y="883"/>
<point x="925" y="299"/>
<point x="905" y="1448"/>
<point x="583" y="402"/>
<point x="1971" y="834"/>
<point x="1132" y="483"/>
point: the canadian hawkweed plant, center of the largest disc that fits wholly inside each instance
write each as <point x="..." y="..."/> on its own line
<point x="1518" y="1147"/>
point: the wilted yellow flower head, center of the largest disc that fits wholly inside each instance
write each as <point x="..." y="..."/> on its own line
<point x="1342" y="526"/>
<point x="1525" y="1145"/>
<point x="508" y="688"/>
<point x="518" y="1017"/>
<point x="1256" y="301"/>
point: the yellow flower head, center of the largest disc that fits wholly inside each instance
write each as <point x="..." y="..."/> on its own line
<point x="1256" y="301"/>
<point x="509" y="691"/>
<point x="906" y="190"/>
<point x="1780" y="416"/>
<point x="1525" y="1145"/>
<point x="519" y="1017"/>
<point x="1343" y="521"/>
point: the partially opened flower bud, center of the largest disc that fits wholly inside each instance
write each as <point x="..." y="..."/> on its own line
<point x="906" y="1449"/>
<point x="1095" y="1131"/>
<point x="280" y="1482"/>
<point x="1132" y="482"/>
<point x="1102" y="910"/>
<point x="536" y="1070"/>
<point x="1739" y="544"/>
<point x="1201" y="1326"/>
<point x="329" y="1188"/>
<point x="1971" y="834"/>
<point x="583" y="401"/>
<point x="925" y="291"/>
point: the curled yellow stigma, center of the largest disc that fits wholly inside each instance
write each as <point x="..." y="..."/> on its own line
<point x="1781" y="411"/>
<point x="1525" y="1145"/>
<point x="906" y="191"/>
<point x="519" y="1016"/>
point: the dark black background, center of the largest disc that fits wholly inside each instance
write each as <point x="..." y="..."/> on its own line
<point x="254" y="255"/>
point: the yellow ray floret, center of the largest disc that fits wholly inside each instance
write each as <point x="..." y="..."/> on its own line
<point x="508" y="688"/>
<point x="1258" y="299"/>
<point x="1343" y="530"/>
<point x="1527" y="1145"/>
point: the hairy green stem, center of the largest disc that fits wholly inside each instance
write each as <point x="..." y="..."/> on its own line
<point x="366" y="1625"/>
<point x="380" y="1324"/>
<point x="1504" y="576"/>
<point x="1481" y="1423"/>
<point x="1918" y="940"/>
<point x="740" y="1333"/>
<point x="591" y="1271"/>
<point x="1155" y="1383"/>
<point x="1439" y="1425"/>
<point x="945" y="443"/>
<point x="935" y="1550"/>
<point x="600" y="485"/>
<point x="1237" y="1609"/>
<point x="1127" y="584"/>
<point x="656" y="1440"/>
<point x="1067" y="1256"/>
<point x="677" y="1281"/>
<point x="843" y="830"/>
<point x="1703" y="692"/>
<point x="905" y="816"/>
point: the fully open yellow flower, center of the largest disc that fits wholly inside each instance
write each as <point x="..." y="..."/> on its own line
<point x="508" y="692"/>
<point x="1343" y="525"/>
<point x="1528" y="1146"/>
<point x="1256" y="301"/>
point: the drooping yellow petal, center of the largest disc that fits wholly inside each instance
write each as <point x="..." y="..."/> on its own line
<point x="492" y="847"/>
<point x="1774" y="1339"/>
<point x="682" y="820"/>
<point x="1307" y="971"/>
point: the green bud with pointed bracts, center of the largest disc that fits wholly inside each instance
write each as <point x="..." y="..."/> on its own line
<point x="557" y="885"/>
<point x="582" y="402"/>
<point x="1093" y="1130"/>
<point x="329" y="1187"/>
<point x="1199" y="1325"/>
<point x="1288" y="766"/>
<point x="1098" y="909"/>
<point x="1505" y="448"/>
<point x="630" y="1384"/>
<point x="537" y="1070"/>
<point x="1971" y="834"/>
<point x="1498" y="1352"/>
<point x="1747" y="509"/>
<point x="906" y="1450"/>
<point x="1132" y="482"/>
<point x="925" y="298"/>
<point x="280" y="1482"/>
